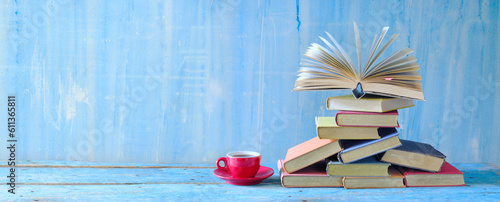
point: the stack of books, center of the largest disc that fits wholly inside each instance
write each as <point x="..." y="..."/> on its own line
<point x="361" y="144"/>
<point x="360" y="148"/>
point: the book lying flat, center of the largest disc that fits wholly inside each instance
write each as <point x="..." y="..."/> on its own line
<point x="415" y="155"/>
<point x="310" y="176"/>
<point x="310" y="152"/>
<point x="358" y="149"/>
<point x="369" y="103"/>
<point x="368" y="167"/>
<point x="331" y="68"/>
<point x="367" y="119"/>
<point x="448" y="176"/>
<point x="327" y="128"/>
<point x="394" y="181"/>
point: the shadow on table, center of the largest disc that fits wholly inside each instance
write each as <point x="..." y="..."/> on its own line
<point x="482" y="177"/>
<point x="273" y="180"/>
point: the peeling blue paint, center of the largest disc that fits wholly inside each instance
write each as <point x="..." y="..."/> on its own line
<point x="188" y="81"/>
<point x="298" y="16"/>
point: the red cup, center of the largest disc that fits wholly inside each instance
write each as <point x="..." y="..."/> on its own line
<point x="241" y="164"/>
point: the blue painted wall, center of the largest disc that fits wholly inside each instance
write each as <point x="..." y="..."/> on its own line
<point x="188" y="81"/>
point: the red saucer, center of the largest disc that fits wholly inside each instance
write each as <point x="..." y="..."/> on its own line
<point x="263" y="173"/>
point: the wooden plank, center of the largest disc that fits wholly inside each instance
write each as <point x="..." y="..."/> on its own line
<point x="217" y="192"/>
<point x="193" y="183"/>
<point x="182" y="173"/>
<point x="97" y="176"/>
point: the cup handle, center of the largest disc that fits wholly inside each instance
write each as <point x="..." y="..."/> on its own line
<point x="225" y="163"/>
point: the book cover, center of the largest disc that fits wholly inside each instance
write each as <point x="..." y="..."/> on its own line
<point x="358" y="149"/>
<point x="367" y="167"/>
<point x="310" y="152"/>
<point x="369" y="103"/>
<point x="419" y="147"/>
<point x="327" y="128"/>
<point x="310" y="176"/>
<point x="415" y="155"/>
<point x="367" y="119"/>
<point x="331" y="68"/>
<point x="448" y="176"/>
<point x="396" y="180"/>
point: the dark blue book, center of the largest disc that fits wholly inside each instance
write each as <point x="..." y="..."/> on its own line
<point x="355" y="150"/>
<point x="415" y="155"/>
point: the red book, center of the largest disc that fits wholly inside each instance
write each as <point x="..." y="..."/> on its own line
<point x="367" y="119"/>
<point x="311" y="176"/>
<point x="448" y="176"/>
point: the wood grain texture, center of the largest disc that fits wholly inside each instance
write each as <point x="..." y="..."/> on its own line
<point x="189" y="81"/>
<point x="190" y="182"/>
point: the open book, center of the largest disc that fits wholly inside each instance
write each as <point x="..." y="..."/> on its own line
<point x="331" y="68"/>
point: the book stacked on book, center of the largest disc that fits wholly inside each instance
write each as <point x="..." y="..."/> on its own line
<point x="361" y="144"/>
<point x="360" y="148"/>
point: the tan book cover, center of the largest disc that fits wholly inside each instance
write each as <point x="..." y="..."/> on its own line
<point x="396" y="180"/>
<point x="327" y="128"/>
<point x="416" y="155"/>
<point x="310" y="176"/>
<point x="310" y="152"/>
<point x="367" y="119"/>
<point x="368" y="167"/>
<point x="368" y="103"/>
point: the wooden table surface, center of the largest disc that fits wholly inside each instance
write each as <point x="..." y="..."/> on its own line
<point x="61" y="180"/>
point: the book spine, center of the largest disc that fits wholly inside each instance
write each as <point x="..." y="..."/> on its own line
<point x="368" y="126"/>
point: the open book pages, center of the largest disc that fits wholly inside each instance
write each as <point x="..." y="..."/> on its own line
<point x="330" y="68"/>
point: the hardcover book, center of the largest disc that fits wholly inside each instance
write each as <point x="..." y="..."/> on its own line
<point x="358" y="149"/>
<point x="327" y="128"/>
<point x="368" y="167"/>
<point x="369" y="103"/>
<point x="331" y="68"/>
<point x="309" y="152"/>
<point x="415" y="155"/>
<point x="448" y="176"/>
<point x="394" y="181"/>
<point x="310" y="176"/>
<point x="367" y="119"/>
